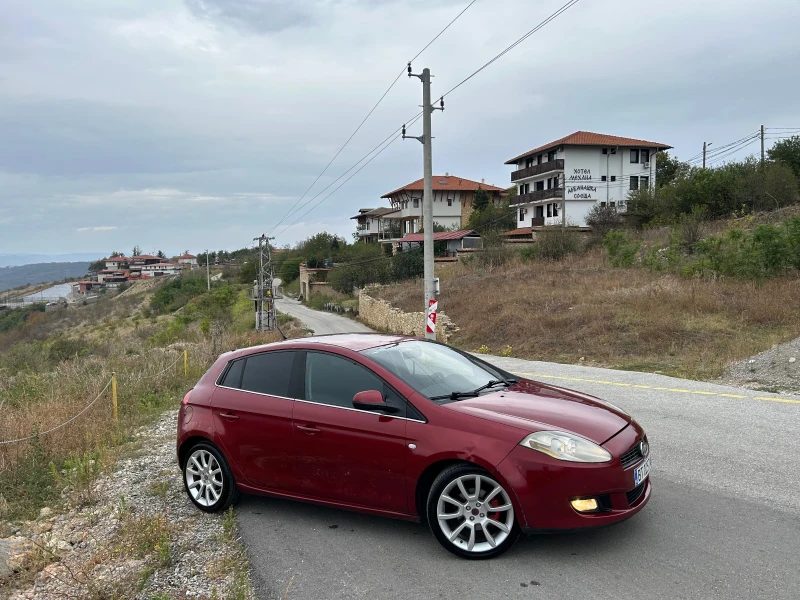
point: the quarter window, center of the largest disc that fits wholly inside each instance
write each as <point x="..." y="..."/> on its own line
<point x="268" y="373"/>
<point x="635" y="156"/>
<point x="334" y="380"/>
<point x="233" y="378"/>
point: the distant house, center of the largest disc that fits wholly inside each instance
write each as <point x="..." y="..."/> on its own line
<point x="577" y="172"/>
<point x="452" y="204"/>
<point x="371" y="223"/>
<point x="187" y="259"/>
<point x="465" y="239"/>
<point x="160" y="269"/>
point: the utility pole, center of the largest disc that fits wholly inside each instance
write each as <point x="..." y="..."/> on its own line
<point x="208" y="271"/>
<point x="262" y="294"/>
<point x="427" y="199"/>
<point x="762" y="145"/>
<point x="704" y="154"/>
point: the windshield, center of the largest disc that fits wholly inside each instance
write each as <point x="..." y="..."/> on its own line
<point x="433" y="370"/>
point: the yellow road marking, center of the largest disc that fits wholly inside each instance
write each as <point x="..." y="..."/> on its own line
<point x="664" y="389"/>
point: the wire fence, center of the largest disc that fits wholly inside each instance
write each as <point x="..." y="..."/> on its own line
<point x="111" y="383"/>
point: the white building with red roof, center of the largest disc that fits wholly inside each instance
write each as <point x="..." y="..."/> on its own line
<point x="187" y="259"/>
<point x="559" y="182"/>
<point x="452" y="204"/>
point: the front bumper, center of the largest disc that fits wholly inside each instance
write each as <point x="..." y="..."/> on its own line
<point x="544" y="487"/>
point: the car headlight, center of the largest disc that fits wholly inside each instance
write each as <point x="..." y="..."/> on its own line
<point x="566" y="446"/>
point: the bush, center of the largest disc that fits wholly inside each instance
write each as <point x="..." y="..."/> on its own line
<point x="554" y="243"/>
<point x="621" y="249"/>
<point x="495" y="252"/>
<point x="692" y="228"/>
<point x="603" y="219"/>
<point x="290" y="269"/>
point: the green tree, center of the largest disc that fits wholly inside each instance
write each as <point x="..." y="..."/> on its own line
<point x="290" y="269"/>
<point x="97" y="266"/>
<point x="787" y="152"/>
<point x="160" y="254"/>
<point x="493" y="218"/>
<point x="481" y="200"/>
<point x="136" y="251"/>
<point x="669" y="168"/>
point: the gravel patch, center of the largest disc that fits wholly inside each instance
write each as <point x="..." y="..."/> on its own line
<point x="141" y="539"/>
<point x="774" y="370"/>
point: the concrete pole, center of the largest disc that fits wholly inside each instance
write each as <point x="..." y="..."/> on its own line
<point x="762" y="145"/>
<point x="704" y="155"/>
<point x="208" y="271"/>
<point x="427" y="198"/>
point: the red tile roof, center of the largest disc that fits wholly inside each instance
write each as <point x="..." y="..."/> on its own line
<point x="520" y="231"/>
<point x="187" y="256"/>
<point x="446" y="182"/>
<point x="440" y="236"/>
<point x="587" y="138"/>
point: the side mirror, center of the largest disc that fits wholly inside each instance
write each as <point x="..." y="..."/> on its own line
<point x="372" y="400"/>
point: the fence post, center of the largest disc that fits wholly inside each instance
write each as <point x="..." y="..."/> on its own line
<point x="114" y="395"/>
<point x="185" y="362"/>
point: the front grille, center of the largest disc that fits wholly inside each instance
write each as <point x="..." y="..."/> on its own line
<point x="632" y="456"/>
<point x="636" y="493"/>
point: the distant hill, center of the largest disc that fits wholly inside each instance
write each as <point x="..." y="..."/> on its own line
<point x="13" y="260"/>
<point x="11" y="277"/>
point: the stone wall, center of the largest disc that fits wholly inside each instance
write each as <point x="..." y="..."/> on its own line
<point x="382" y="316"/>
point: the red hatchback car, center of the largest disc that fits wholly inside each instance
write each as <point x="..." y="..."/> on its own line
<point x="406" y="428"/>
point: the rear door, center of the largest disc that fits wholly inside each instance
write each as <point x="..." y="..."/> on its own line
<point x="252" y="410"/>
<point x="344" y="454"/>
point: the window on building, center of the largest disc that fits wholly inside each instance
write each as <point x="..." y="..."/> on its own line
<point x="644" y="182"/>
<point x="524" y="188"/>
<point x="539" y="159"/>
<point x="449" y="202"/>
<point x="549" y="210"/>
<point x="521" y="215"/>
<point x="555" y="182"/>
<point x="555" y="210"/>
<point x="529" y="162"/>
<point x="612" y="151"/>
<point x="540" y="211"/>
<point x="645" y="155"/>
<point x="549" y="183"/>
<point x="603" y="178"/>
<point x="551" y="155"/>
<point x="613" y="178"/>
<point x="612" y="204"/>
<point x="602" y="204"/>
<point x="539" y="186"/>
<point x="634" y="156"/>
<point x="605" y="150"/>
<point x="416" y="202"/>
<point x="634" y="182"/>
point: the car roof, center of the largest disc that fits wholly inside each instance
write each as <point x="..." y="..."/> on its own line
<point x="350" y="341"/>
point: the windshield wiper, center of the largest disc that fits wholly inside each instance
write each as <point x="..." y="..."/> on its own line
<point x="474" y="393"/>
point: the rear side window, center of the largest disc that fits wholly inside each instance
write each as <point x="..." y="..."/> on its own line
<point x="233" y="378"/>
<point x="269" y="373"/>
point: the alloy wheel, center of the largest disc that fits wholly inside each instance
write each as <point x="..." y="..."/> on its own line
<point x="475" y="513"/>
<point x="204" y="480"/>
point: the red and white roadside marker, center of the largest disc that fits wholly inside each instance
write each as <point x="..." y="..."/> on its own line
<point x="430" y="325"/>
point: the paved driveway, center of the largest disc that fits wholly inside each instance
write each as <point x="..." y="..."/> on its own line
<point x="724" y="520"/>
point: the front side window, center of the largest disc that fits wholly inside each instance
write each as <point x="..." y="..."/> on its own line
<point x="334" y="380"/>
<point x="269" y="373"/>
<point x="433" y="370"/>
<point x="634" y="156"/>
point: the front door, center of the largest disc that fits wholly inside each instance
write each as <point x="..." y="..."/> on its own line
<point x="343" y="454"/>
<point x="252" y="411"/>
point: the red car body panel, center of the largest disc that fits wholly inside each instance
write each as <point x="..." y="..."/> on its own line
<point x="369" y="462"/>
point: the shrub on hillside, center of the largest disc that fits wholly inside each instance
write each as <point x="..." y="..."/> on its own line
<point x="603" y="219"/>
<point x="554" y="243"/>
<point x="622" y="250"/>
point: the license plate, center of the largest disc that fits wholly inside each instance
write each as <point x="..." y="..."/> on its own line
<point x="641" y="472"/>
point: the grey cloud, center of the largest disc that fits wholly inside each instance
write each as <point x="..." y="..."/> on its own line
<point x="257" y="16"/>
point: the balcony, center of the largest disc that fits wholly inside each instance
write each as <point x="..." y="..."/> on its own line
<point x="551" y="165"/>
<point x="538" y="196"/>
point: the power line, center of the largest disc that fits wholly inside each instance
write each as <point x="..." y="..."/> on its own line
<point x="561" y="10"/>
<point x="352" y="135"/>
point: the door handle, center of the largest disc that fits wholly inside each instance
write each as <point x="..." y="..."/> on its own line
<point x="310" y="429"/>
<point x="229" y="416"/>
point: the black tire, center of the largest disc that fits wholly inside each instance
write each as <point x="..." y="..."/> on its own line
<point x="228" y="494"/>
<point x="449" y="476"/>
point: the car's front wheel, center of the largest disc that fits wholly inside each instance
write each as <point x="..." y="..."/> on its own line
<point x="208" y="478"/>
<point x="470" y="513"/>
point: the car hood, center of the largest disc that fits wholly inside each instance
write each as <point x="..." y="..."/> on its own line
<point x="534" y="406"/>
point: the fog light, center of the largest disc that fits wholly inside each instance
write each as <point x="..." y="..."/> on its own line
<point x="584" y="504"/>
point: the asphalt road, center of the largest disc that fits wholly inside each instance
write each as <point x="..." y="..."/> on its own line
<point x="723" y="522"/>
<point x="321" y="323"/>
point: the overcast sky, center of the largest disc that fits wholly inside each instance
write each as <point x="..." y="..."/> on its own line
<point x="182" y="124"/>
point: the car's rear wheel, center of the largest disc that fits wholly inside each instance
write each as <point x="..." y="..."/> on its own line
<point x="208" y="478"/>
<point x="470" y="513"/>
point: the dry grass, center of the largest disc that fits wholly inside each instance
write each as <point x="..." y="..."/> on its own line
<point x="621" y="318"/>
